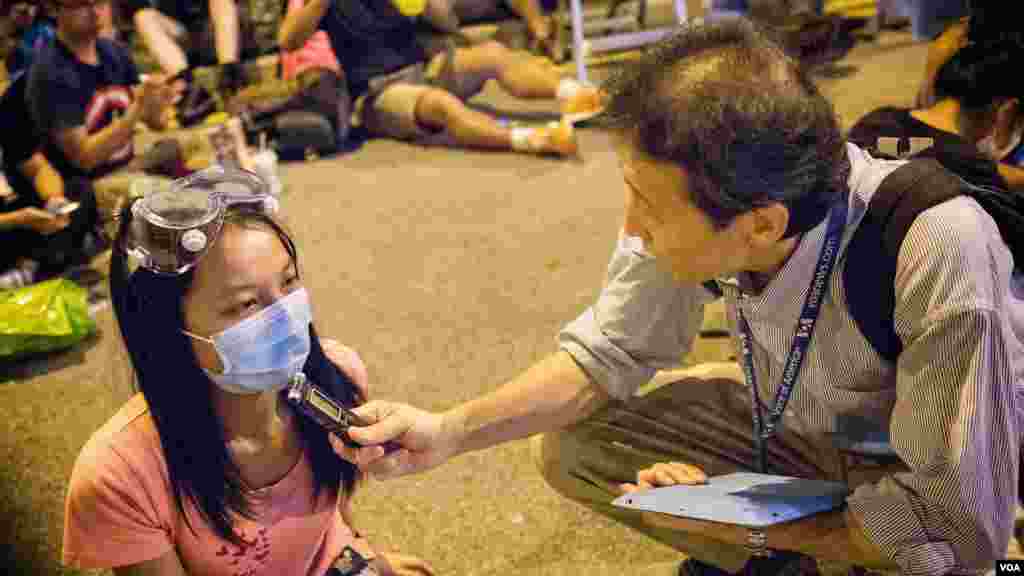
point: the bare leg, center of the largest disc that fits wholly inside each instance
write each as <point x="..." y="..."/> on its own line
<point x="440" y="110"/>
<point x="533" y="15"/>
<point x="224" y="15"/>
<point x="527" y="77"/>
<point x="159" y="36"/>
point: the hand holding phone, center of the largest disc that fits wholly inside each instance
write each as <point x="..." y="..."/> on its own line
<point x="61" y="206"/>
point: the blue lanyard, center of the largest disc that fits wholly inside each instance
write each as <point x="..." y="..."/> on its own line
<point x="765" y="428"/>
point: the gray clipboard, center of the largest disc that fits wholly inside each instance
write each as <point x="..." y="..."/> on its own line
<point x="742" y="498"/>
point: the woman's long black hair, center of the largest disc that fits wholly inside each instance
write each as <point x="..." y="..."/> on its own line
<point x="149" y="312"/>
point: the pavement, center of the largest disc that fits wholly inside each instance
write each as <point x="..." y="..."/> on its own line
<point x="450" y="272"/>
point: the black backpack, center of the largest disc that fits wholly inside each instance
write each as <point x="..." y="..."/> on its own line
<point x="870" y="270"/>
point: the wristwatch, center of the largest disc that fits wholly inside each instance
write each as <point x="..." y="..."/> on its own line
<point x="757" y="543"/>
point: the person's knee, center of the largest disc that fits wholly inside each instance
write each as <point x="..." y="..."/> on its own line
<point x="437" y="109"/>
<point x="556" y="456"/>
<point x="494" y="52"/>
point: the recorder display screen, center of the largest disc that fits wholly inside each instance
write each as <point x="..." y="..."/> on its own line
<point x="324" y="404"/>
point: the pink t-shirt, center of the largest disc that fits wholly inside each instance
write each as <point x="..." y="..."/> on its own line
<point x="315" y="53"/>
<point x="120" y="510"/>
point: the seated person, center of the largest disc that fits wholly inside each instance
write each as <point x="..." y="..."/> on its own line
<point x="988" y="23"/>
<point x="210" y="470"/>
<point x="184" y="34"/>
<point x="32" y="31"/>
<point x="399" y="93"/>
<point x="975" y="124"/>
<point x="34" y="240"/>
<point x="86" y="97"/>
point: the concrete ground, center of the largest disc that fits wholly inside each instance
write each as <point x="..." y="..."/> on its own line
<point x="450" y="272"/>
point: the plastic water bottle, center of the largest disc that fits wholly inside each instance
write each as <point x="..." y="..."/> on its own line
<point x="264" y="164"/>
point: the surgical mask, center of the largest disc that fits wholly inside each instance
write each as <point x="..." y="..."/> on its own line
<point x="263" y="352"/>
<point x="987" y="146"/>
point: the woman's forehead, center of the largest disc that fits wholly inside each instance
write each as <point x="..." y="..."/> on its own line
<point x="244" y="254"/>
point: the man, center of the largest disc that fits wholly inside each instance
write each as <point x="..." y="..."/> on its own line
<point x="35" y="240"/>
<point x="735" y="168"/>
<point x="32" y="31"/>
<point x="973" y="128"/>
<point x="180" y="33"/>
<point x="399" y="94"/>
<point x="86" y="98"/>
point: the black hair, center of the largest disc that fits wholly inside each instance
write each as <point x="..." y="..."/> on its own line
<point x="994" y="22"/>
<point x="149" y="311"/>
<point x="726" y="103"/>
<point x="980" y="74"/>
<point x="980" y="77"/>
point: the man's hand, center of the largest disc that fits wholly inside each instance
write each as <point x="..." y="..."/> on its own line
<point x="425" y="437"/>
<point x="401" y="565"/>
<point x="42" y="221"/>
<point x="665" y="474"/>
<point x="153" y="96"/>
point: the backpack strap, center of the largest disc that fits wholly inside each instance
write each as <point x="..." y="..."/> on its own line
<point x="869" y="274"/>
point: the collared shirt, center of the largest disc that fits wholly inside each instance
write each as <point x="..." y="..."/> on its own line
<point x="953" y="403"/>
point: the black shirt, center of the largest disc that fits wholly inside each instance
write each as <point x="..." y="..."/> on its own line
<point x="64" y="92"/>
<point x="951" y="150"/>
<point x="370" y="39"/>
<point x="184" y="11"/>
<point x="19" y="142"/>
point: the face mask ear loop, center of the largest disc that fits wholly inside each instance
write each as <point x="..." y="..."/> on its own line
<point x="197" y="336"/>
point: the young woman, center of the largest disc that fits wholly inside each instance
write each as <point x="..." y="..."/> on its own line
<point x="209" y="471"/>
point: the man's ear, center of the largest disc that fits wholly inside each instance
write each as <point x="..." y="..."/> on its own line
<point x="765" y="225"/>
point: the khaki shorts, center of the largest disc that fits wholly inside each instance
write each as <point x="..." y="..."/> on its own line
<point x="388" y="108"/>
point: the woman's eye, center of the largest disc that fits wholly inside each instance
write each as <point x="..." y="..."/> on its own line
<point x="246" y="306"/>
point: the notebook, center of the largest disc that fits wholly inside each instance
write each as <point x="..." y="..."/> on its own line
<point x="743" y="498"/>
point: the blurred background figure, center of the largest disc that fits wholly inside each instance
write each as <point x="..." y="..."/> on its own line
<point x="31" y="29"/>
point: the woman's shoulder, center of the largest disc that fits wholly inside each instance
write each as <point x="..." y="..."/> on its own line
<point x="127" y="443"/>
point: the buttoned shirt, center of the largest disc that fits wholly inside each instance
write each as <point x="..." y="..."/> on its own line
<point x="953" y="403"/>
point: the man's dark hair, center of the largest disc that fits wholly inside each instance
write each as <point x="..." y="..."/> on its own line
<point x="726" y="103"/>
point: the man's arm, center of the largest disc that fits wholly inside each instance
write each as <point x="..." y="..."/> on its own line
<point x="835" y="536"/>
<point x="301" y="24"/>
<point x="47" y="182"/>
<point x="954" y="422"/>
<point x="551" y="394"/>
<point x="643" y="321"/>
<point x="88" y="152"/>
<point x="224" y="15"/>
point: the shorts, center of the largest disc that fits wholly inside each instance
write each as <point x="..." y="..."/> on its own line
<point x="388" y="107"/>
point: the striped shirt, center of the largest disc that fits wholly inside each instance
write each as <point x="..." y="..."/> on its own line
<point x="950" y="403"/>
